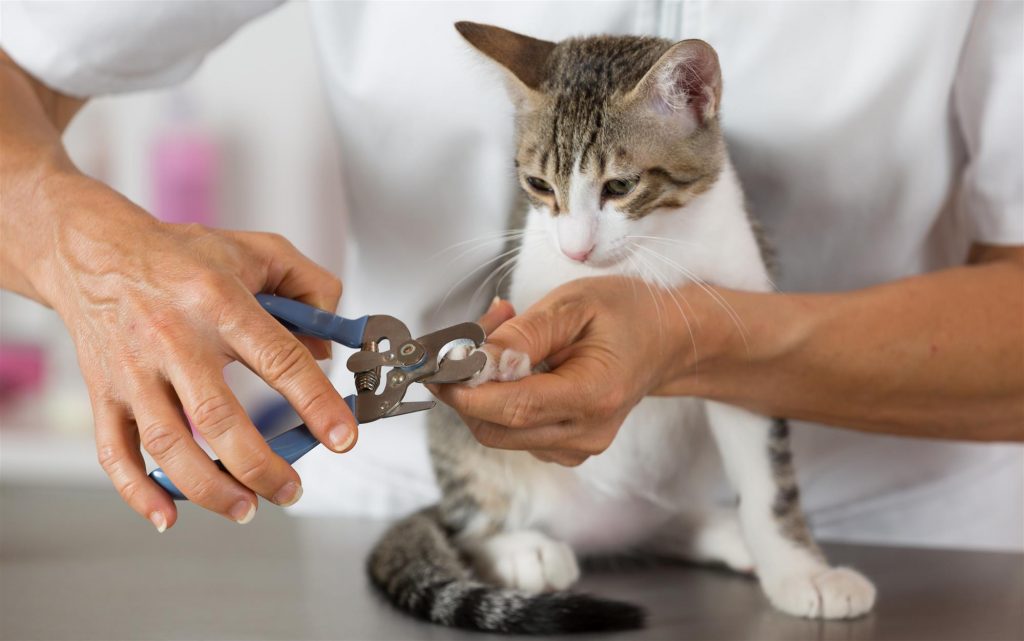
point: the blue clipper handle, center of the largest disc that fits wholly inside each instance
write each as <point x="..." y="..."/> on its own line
<point x="291" y="446"/>
<point x="307" y="320"/>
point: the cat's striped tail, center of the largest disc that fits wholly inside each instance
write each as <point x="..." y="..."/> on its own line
<point x="420" y="571"/>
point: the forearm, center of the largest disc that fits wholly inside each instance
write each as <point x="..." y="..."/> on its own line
<point x="32" y="118"/>
<point x="939" y="355"/>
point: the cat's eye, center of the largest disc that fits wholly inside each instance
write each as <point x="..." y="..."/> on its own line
<point x="539" y="184"/>
<point x="618" y="187"/>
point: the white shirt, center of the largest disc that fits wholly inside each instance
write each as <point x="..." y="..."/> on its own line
<point x="874" y="140"/>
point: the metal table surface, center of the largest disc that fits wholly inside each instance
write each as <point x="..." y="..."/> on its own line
<point x="77" y="564"/>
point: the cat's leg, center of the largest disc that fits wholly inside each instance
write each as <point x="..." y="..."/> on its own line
<point x="483" y="506"/>
<point x="712" y="536"/>
<point x="791" y="568"/>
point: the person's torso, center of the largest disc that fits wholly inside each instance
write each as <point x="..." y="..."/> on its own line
<point x="839" y="121"/>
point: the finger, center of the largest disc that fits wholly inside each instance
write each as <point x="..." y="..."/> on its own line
<point x="117" y="447"/>
<point x="291" y="274"/>
<point x="541" y="399"/>
<point x="273" y="353"/>
<point x="549" y="438"/>
<point x="499" y="312"/>
<point x="167" y="438"/>
<point x="552" y="324"/>
<point x="219" y="417"/>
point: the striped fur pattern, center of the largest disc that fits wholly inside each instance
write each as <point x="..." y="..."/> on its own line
<point x="786" y="507"/>
<point x="418" y="568"/>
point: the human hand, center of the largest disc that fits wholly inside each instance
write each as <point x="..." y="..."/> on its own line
<point x="607" y="348"/>
<point x="156" y="312"/>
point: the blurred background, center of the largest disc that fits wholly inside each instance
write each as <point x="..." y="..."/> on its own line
<point x="220" y="147"/>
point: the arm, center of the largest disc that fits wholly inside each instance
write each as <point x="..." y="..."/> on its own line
<point x="937" y="355"/>
<point x="156" y="312"/>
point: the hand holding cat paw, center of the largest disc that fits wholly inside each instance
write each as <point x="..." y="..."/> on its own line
<point x="607" y="351"/>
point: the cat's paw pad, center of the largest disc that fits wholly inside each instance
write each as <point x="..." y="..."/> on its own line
<point x="835" y="593"/>
<point x="509" y="366"/>
<point x="527" y="561"/>
<point x="513" y="366"/>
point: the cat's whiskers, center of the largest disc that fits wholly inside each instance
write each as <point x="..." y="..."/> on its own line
<point x="486" y="238"/>
<point x="624" y="272"/>
<point x="690" y="245"/>
<point x="710" y="291"/>
<point x="485" y="243"/>
<point x="672" y="241"/>
<point x="641" y="263"/>
<point x="466" y="276"/>
<point x="509" y="264"/>
<point x="664" y="285"/>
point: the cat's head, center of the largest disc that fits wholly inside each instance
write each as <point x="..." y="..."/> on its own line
<point x="609" y="130"/>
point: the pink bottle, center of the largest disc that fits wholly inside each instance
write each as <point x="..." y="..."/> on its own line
<point x="185" y="164"/>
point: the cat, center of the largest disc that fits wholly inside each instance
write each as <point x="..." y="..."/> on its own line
<point x="617" y="143"/>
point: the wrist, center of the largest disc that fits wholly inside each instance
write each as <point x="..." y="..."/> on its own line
<point x="72" y="228"/>
<point x="734" y="336"/>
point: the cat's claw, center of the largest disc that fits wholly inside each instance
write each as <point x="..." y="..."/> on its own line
<point x="526" y="560"/>
<point x="835" y="593"/>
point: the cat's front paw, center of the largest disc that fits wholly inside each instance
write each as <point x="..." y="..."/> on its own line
<point x="833" y="593"/>
<point x="526" y="560"/>
<point x="509" y="366"/>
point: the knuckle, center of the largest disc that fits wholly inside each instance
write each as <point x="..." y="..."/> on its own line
<point x="161" y="439"/>
<point x="278" y="240"/>
<point x="333" y="285"/>
<point x="109" y="458"/>
<point x="212" y="287"/>
<point x="253" y="469"/>
<point x="519" y="411"/>
<point x="312" y="400"/>
<point x="281" y="360"/>
<point x="131" y="491"/>
<point x="203" y="490"/>
<point x="213" y="416"/>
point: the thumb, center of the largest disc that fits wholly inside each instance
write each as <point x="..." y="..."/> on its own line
<point x="549" y="326"/>
<point x="499" y="312"/>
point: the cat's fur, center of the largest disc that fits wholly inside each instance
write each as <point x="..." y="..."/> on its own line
<point x="500" y="549"/>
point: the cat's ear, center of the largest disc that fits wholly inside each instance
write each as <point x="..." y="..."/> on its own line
<point x="686" y="79"/>
<point x="521" y="56"/>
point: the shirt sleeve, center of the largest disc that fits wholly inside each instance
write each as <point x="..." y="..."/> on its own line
<point x="988" y="96"/>
<point x="99" y="47"/>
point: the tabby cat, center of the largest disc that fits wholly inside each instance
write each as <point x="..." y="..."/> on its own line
<point x="620" y="154"/>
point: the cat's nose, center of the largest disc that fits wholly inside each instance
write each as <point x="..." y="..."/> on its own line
<point x="579" y="255"/>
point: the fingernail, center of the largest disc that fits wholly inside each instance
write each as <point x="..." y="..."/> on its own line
<point x="289" y="494"/>
<point x="243" y="512"/>
<point x="341" y="438"/>
<point x="158" y="520"/>
<point x="494" y="302"/>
